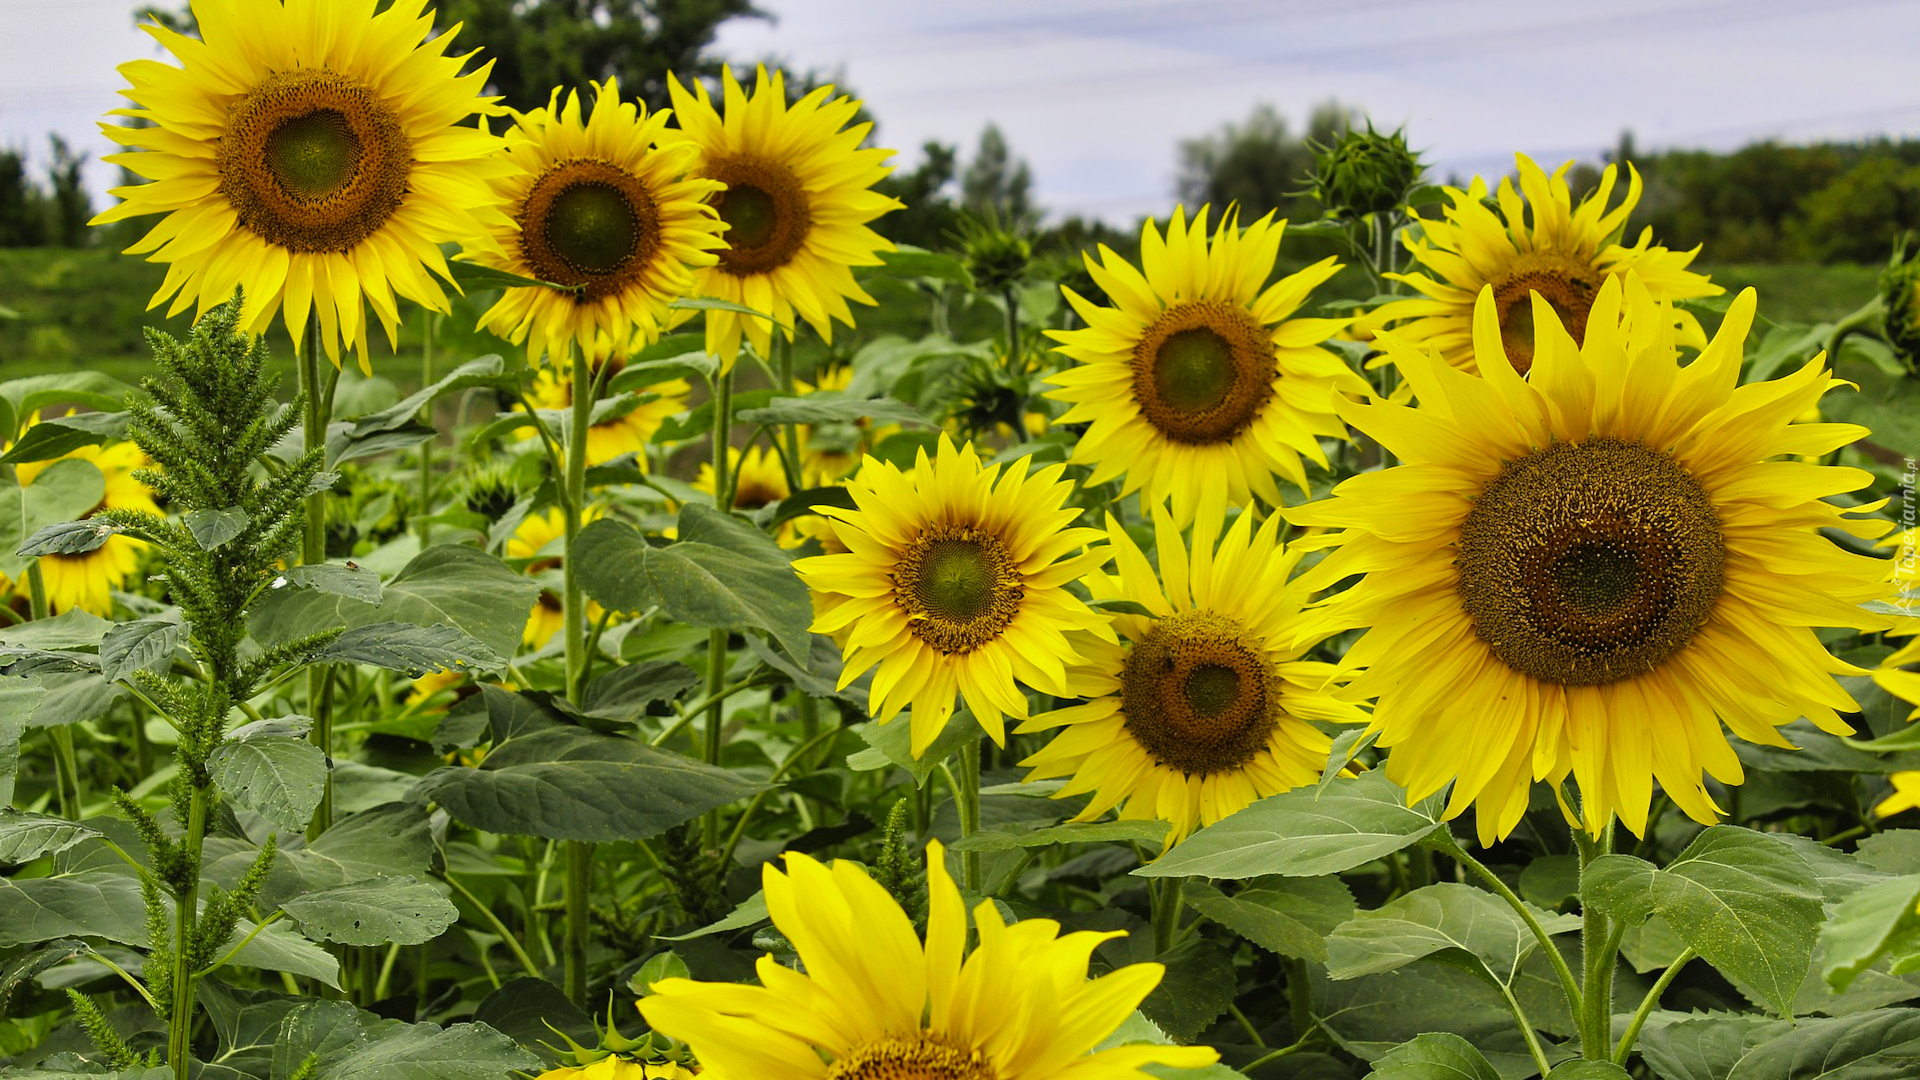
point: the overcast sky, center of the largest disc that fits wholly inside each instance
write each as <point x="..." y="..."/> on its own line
<point x="1098" y="94"/>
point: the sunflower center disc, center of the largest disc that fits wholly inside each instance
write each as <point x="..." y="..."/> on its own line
<point x="1203" y="371"/>
<point x="590" y="224"/>
<point x="1588" y="563"/>
<point x="959" y="587"/>
<point x="925" y="1056"/>
<point x="1567" y="285"/>
<point x="313" y="161"/>
<point x="767" y="214"/>
<point x="1198" y="694"/>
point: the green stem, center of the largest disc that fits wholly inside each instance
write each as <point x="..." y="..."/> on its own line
<point x="1568" y="984"/>
<point x="722" y="387"/>
<point x="1861" y="321"/>
<point x="1303" y="1043"/>
<point x="235" y="951"/>
<point x="966" y="800"/>
<point x="1647" y="1005"/>
<point x="716" y="718"/>
<point x="426" y="417"/>
<point x="185" y="914"/>
<point x="1299" y="999"/>
<point x="799" y="754"/>
<point x="790" y="431"/>
<point x="313" y="550"/>
<point x="579" y="881"/>
<point x="1013" y="332"/>
<point x="1599" y="944"/>
<point x="1526" y="1027"/>
<point x="66" y="767"/>
<point x="1168" y="903"/>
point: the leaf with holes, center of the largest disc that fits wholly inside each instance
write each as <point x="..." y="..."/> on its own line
<point x="378" y="911"/>
<point x="26" y="836"/>
<point x="279" y="777"/>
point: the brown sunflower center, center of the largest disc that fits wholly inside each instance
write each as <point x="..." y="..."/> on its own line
<point x="1567" y="285"/>
<point x="313" y="161"/>
<point x="1198" y="694"/>
<point x="766" y="210"/>
<point x="923" y="1056"/>
<point x="1203" y="371"/>
<point x="959" y="586"/>
<point x="591" y="224"/>
<point x="1587" y="563"/>
<point x="755" y="492"/>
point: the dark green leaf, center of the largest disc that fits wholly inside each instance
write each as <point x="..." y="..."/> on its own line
<point x="472" y="275"/>
<point x="18" y="700"/>
<point x="1303" y="833"/>
<point x="1289" y="916"/>
<point x="279" y="777"/>
<point x="1433" y="919"/>
<point x="327" y="1030"/>
<point x="352" y="582"/>
<point x="377" y="911"/>
<point x="1434" y="1056"/>
<point x="830" y="407"/>
<point x="212" y="529"/>
<point x="913" y="262"/>
<point x="891" y="743"/>
<point x="141" y="645"/>
<point x="88" y="904"/>
<point x="415" y="650"/>
<point x="623" y="694"/>
<point x="530" y="1010"/>
<point x="564" y="783"/>
<point x="68" y="538"/>
<point x="280" y="947"/>
<point x="1195" y="991"/>
<point x="26" y="836"/>
<point x="1579" y="1069"/>
<point x="430" y="1052"/>
<point x="19" y="970"/>
<point x="486" y="371"/>
<point x="1868" y="925"/>
<point x="58" y="437"/>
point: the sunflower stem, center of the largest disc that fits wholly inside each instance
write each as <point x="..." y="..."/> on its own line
<point x="66" y="767"/>
<point x="579" y="879"/>
<point x="426" y="417"/>
<point x="318" y="397"/>
<point x="966" y="800"/>
<point x="790" y="431"/>
<point x="722" y="387"/>
<point x="1169" y="901"/>
<point x="1013" y="330"/>
<point x="1443" y="840"/>
<point x="1599" y="944"/>
<point x="1647" y="1005"/>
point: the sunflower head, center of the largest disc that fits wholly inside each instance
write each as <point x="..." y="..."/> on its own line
<point x="953" y="582"/>
<point x="996" y="254"/>
<point x="1364" y="172"/>
<point x="796" y="199"/>
<point x="1525" y="241"/>
<point x="876" y="1000"/>
<point x="602" y="205"/>
<point x="314" y="151"/>
<point x="1199" y="373"/>
<point x="1588" y="571"/>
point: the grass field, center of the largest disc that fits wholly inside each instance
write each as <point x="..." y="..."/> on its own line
<point x="85" y="309"/>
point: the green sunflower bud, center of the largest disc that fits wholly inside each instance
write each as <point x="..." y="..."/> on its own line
<point x="1364" y="172"/>
<point x="1900" y="291"/>
<point x="997" y="254"/>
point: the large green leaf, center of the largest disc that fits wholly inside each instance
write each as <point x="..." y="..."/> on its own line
<point x="485" y="371"/>
<point x="1875" y="922"/>
<point x="447" y="584"/>
<point x="415" y="650"/>
<point x="62" y="492"/>
<point x="88" y="904"/>
<point x="19" y="697"/>
<point x="58" y="436"/>
<point x="1434" y="919"/>
<point x="1196" y="989"/>
<point x="1881" y="1044"/>
<point x="378" y="911"/>
<point x="1580" y="1069"/>
<point x="832" y="406"/>
<point x="720" y="574"/>
<point x="25" y="836"/>
<point x="141" y="645"/>
<point x="564" y="783"/>
<point x="1435" y="1056"/>
<point x="1373" y="1014"/>
<point x="1072" y="832"/>
<point x="430" y="1052"/>
<point x="1747" y="903"/>
<point x="1289" y="916"/>
<point x="279" y="777"/>
<point x="1303" y="833"/>
<point x="281" y="948"/>
<point x="891" y="743"/>
<point x="323" y="1030"/>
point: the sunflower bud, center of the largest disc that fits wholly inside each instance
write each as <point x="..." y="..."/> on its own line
<point x="996" y="254"/>
<point x="1364" y="172"/>
<point x="1900" y="290"/>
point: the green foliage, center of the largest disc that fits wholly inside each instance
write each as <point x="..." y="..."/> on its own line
<point x="1304" y="833"/>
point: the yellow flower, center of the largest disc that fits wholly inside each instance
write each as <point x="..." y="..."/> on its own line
<point x="1199" y="375"/>
<point x="1590" y="569"/>
<point x="1906" y="795"/>
<point x="619" y="1068"/>
<point x="313" y="151"/>
<point x="628" y="432"/>
<point x="761" y="479"/>
<point x="604" y="205"/>
<point x="876" y="1002"/>
<point x="1206" y="707"/>
<point x="1540" y="243"/>
<point x="86" y="580"/>
<point x="797" y="202"/>
<point x="541" y="538"/>
<point x="954" y="581"/>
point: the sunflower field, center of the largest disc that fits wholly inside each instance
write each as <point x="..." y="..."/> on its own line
<point x="742" y="646"/>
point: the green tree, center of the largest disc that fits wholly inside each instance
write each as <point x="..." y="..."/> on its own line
<point x="23" y="206"/>
<point x="1861" y="215"/>
<point x="69" y="204"/>
<point x="997" y="184"/>
<point x="1259" y="163"/>
<point x="930" y="217"/>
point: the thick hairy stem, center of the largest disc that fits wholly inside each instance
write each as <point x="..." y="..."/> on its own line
<point x="579" y="880"/>
<point x="966" y="799"/>
<point x="185" y="915"/>
<point x="1599" y="944"/>
<point x="313" y="549"/>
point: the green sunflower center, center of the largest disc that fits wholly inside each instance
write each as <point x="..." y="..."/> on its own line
<point x="1203" y="371"/>
<point x="959" y="586"/>
<point x="924" y="1056"/>
<point x="591" y="224"/>
<point x="1587" y="563"/>
<point x="313" y="161"/>
<point x="1567" y="285"/>
<point x="767" y="213"/>
<point x="1199" y="694"/>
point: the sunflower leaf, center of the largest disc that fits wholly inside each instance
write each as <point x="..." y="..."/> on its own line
<point x="471" y="275"/>
<point x="1869" y="925"/>
<point x="1434" y="919"/>
<point x="1288" y="916"/>
<point x="714" y="303"/>
<point x="1437" y="1055"/>
<point x="379" y="911"/>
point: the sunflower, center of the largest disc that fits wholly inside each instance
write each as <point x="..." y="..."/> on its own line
<point x="539" y="539"/>
<point x="760" y="478"/>
<point x="797" y="202"/>
<point x="1589" y="570"/>
<point x="1197" y="375"/>
<point x="954" y="579"/>
<point x="86" y="580"/>
<point x="1906" y="794"/>
<point x="605" y="207"/>
<point x="637" y="414"/>
<point x="312" y="151"/>
<point x="619" y="1068"/>
<point x="873" y="1001"/>
<point x="1540" y="243"/>
<point x="1205" y="706"/>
